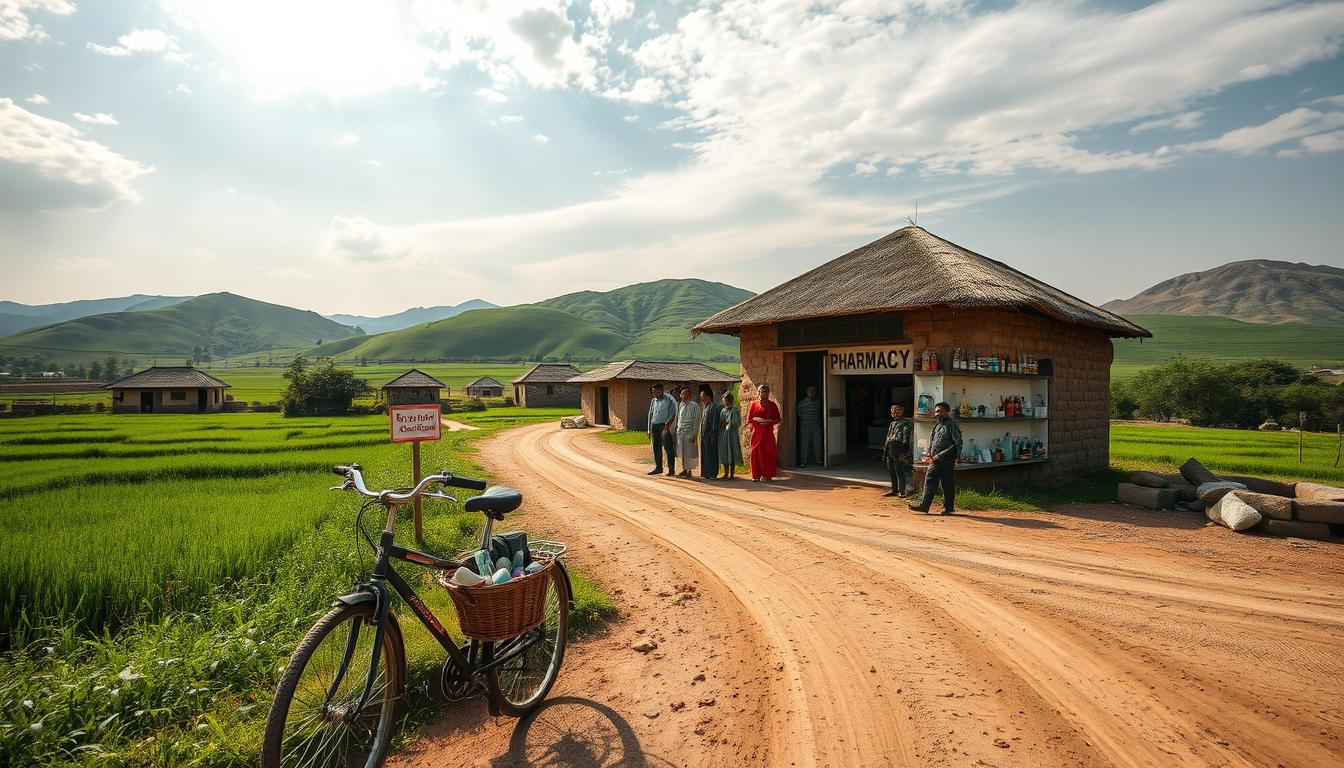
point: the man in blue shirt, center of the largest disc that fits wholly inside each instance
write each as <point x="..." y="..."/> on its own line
<point x="663" y="430"/>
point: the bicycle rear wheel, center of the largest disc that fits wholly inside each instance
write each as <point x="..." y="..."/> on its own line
<point x="313" y="721"/>
<point x="521" y="684"/>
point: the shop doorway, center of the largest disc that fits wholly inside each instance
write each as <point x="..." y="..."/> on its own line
<point x="807" y="372"/>
<point x="868" y="401"/>
<point x="147" y="402"/>
<point x="601" y="414"/>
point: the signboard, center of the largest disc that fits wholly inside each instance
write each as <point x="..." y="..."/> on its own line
<point x="412" y="423"/>
<point x="849" y="361"/>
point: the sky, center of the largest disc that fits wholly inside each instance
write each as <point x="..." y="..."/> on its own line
<point x="365" y="157"/>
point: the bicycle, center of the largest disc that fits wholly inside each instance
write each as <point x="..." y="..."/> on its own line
<point x="338" y="698"/>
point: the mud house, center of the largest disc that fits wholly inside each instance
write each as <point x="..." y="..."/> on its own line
<point x="618" y="393"/>
<point x="547" y="385"/>
<point x="414" y="387"/>
<point x="485" y="387"/>
<point x="177" y="389"/>
<point x="1029" y="363"/>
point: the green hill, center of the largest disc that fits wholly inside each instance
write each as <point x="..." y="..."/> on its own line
<point x="1226" y="339"/>
<point x="221" y="323"/>
<point x="15" y="317"/>
<point x="527" y="332"/>
<point x="657" y="317"/>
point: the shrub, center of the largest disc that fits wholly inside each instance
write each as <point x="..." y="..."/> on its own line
<point x="472" y="404"/>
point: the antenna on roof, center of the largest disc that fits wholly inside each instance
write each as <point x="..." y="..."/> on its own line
<point x="914" y="222"/>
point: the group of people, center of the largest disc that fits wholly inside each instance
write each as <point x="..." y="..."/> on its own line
<point x="944" y="447"/>
<point x="705" y="432"/>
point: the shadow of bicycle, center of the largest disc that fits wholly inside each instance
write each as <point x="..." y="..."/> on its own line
<point x="573" y="732"/>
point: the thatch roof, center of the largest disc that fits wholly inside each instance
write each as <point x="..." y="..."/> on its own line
<point x="414" y="379"/>
<point x="656" y="370"/>
<point x="484" y="381"/>
<point x="167" y="377"/>
<point x="912" y="269"/>
<point x="548" y="373"/>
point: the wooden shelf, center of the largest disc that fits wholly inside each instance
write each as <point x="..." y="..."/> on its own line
<point x="992" y="465"/>
<point x="982" y="375"/>
<point x="978" y="419"/>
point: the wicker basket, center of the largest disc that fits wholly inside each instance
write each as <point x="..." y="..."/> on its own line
<point x="502" y="611"/>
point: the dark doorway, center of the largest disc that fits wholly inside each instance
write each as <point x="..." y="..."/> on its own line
<point x="146" y="402"/>
<point x="202" y="400"/>
<point x="868" y="401"/>
<point x="600" y="415"/>
<point x="808" y="371"/>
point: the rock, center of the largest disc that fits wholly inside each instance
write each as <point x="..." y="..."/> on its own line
<point x="1276" y="507"/>
<point x="652" y="713"/>
<point x="1196" y="473"/>
<point x="1318" y="492"/>
<point x="1148" y="479"/>
<point x="706" y="702"/>
<point x="1001" y="744"/>
<point x="1234" y="513"/>
<point x="677" y="706"/>
<point x="1185" y="491"/>
<point x="1140" y="496"/>
<point x="1298" y="529"/>
<point x="1262" y="485"/>
<point x="1331" y="512"/>
<point x="644" y="646"/>
<point x="1210" y="493"/>
<point x="1196" y="505"/>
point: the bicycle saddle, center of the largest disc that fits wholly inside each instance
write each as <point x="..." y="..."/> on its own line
<point x="497" y="499"/>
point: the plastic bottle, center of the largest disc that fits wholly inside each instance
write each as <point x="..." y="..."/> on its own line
<point x="483" y="565"/>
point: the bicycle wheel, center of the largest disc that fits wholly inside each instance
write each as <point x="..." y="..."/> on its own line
<point x="521" y="684"/>
<point x="312" y="720"/>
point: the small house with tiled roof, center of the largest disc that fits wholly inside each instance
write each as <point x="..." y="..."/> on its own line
<point x="547" y="386"/>
<point x="414" y="387"/>
<point x="168" y="389"/>
<point x="618" y="393"/>
<point x="485" y="387"/>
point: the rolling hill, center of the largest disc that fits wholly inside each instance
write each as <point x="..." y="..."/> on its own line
<point x="1227" y="339"/>
<point x="15" y="317"/>
<point x="1257" y="291"/>
<point x="409" y="317"/>
<point x="223" y="323"/>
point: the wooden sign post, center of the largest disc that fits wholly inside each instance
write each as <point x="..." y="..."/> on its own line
<point x="414" y="424"/>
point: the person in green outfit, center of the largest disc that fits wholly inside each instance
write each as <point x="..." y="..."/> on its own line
<point x="730" y="444"/>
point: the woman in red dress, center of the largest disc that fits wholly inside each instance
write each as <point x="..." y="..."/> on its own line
<point x="763" y="415"/>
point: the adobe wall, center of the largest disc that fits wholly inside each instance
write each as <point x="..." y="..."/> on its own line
<point x="534" y="395"/>
<point x="1079" y="391"/>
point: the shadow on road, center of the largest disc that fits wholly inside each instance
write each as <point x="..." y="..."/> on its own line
<point x="1014" y="522"/>
<point x="578" y="732"/>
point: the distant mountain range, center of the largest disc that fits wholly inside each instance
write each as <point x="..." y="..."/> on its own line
<point x="1257" y="291"/>
<point x="216" y="324"/>
<point x="15" y="317"/>
<point x="643" y="320"/>
<point x="410" y="317"/>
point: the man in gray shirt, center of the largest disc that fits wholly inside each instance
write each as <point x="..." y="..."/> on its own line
<point x="809" y="429"/>
<point x="662" y="430"/>
<point x="944" y="447"/>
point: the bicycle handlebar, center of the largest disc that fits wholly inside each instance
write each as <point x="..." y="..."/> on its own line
<point x="354" y="480"/>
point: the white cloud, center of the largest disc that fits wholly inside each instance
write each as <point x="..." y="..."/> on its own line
<point x="1297" y="124"/>
<point x="347" y="139"/>
<point x="36" y="98"/>
<point x="607" y="11"/>
<point x="357" y="239"/>
<point x="514" y="41"/>
<point x="1181" y="122"/>
<point x="101" y="118"/>
<point x="14" y="21"/>
<point x="143" y="41"/>
<point x="631" y="118"/>
<point x="541" y="138"/>
<point x="1316" y="145"/>
<point x="372" y="163"/>
<point x="491" y="95"/>
<point x="48" y="165"/>
<point x="183" y="89"/>
<point x="511" y="119"/>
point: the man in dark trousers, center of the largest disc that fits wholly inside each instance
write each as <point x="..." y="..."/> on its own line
<point x="663" y="430"/>
<point x="944" y="447"/>
<point x="896" y="450"/>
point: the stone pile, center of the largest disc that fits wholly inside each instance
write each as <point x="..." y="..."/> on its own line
<point x="1303" y="510"/>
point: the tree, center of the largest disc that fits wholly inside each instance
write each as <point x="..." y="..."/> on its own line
<point x="323" y="389"/>
<point x="96" y="370"/>
<point x="111" y="366"/>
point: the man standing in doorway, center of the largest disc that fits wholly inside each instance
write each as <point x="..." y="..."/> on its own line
<point x="662" y="430"/>
<point x="896" y="450"/>
<point x="944" y="447"/>
<point x="809" y="429"/>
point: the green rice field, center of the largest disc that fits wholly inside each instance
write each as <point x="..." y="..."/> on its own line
<point x="1227" y="451"/>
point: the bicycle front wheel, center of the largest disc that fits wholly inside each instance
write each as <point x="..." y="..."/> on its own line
<point x="520" y="684"/>
<point x="315" y="718"/>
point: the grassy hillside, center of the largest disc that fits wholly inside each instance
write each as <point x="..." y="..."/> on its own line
<point x="15" y="317"/>
<point x="1259" y="290"/>
<point x="409" y="317"/>
<point x="224" y="323"/>
<point x="528" y="332"/>
<point x="1226" y="339"/>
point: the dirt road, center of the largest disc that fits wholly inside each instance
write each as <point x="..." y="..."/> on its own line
<point x="804" y="623"/>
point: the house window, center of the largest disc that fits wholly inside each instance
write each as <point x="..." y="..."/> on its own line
<point x="878" y="326"/>
<point x="175" y="395"/>
<point x="550" y="389"/>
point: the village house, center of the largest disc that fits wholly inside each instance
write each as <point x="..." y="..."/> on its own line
<point x="547" y="385"/>
<point x="485" y="387"/>
<point x="858" y="328"/>
<point x="414" y="387"/>
<point x="168" y="389"/>
<point x="618" y="393"/>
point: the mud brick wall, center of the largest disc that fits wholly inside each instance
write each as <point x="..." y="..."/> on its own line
<point x="1079" y="390"/>
<point x="534" y="395"/>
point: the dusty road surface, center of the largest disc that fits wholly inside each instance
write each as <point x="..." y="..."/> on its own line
<point x="805" y="623"/>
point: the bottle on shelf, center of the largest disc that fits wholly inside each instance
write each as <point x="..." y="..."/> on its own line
<point x="963" y="406"/>
<point x="933" y="360"/>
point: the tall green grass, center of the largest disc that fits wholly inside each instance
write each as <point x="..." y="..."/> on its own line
<point x="1226" y="451"/>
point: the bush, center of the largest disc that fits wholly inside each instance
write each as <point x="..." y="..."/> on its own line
<point x="472" y="404"/>
<point x="324" y="389"/>
<point x="508" y="401"/>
